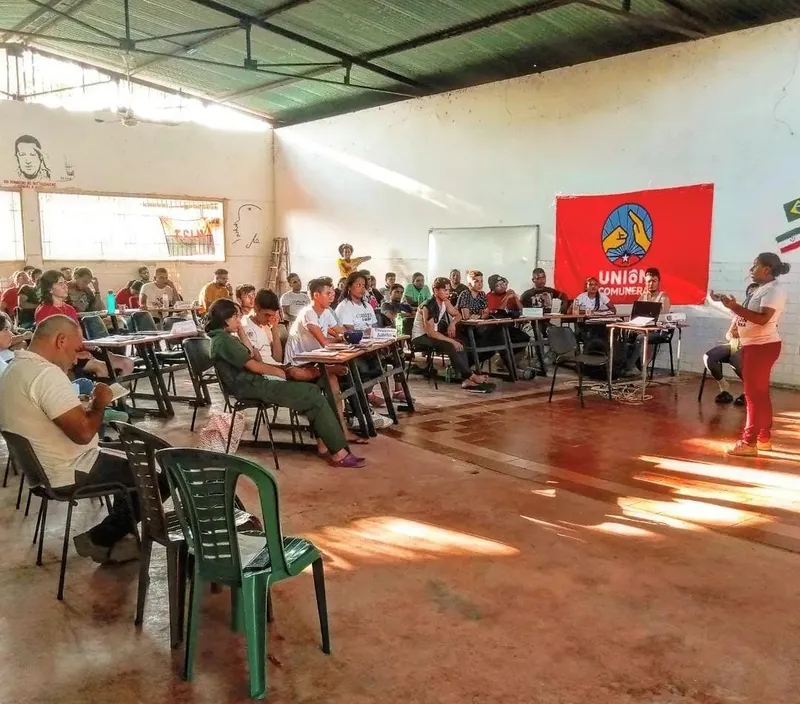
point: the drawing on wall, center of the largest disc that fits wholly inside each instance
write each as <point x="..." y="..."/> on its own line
<point x="33" y="164"/>
<point x="248" y="225"/>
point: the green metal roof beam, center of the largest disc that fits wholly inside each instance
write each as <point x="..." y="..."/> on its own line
<point x="449" y="33"/>
<point x="646" y="21"/>
<point x="288" y="5"/>
<point x="305" y="41"/>
<point x="41" y="12"/>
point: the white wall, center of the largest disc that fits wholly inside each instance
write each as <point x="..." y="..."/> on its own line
<point x="178" y="161"/>
<point x="723" y="110"/>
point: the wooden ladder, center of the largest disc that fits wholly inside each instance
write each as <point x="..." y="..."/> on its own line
<point x="279" y="266"/>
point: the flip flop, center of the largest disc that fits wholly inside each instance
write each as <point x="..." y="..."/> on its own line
<point x="348" y="462"/>
<point x="357" y="441"/>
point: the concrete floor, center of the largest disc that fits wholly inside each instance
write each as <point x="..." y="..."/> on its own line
<point x="494" y="550"/>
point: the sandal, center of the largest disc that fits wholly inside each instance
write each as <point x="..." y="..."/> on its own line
<point x="375" y="400"/>
<point x="357" y="440"/>
<point x="350" y="461"/>
<point x="399" y="396"/>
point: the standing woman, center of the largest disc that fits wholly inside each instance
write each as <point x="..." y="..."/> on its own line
<point x="346" y="263"/>
<point x="757" y="322"/>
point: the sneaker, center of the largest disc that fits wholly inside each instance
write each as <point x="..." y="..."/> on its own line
<point x="740" y="401"/>
<point x="85" y="547"/>
<point x="742" y="449"/>
<point x="764" y="445"/>
<point x="124" y="550"/>
<point x="723" y="397"/>
<point x="380" y="421"/>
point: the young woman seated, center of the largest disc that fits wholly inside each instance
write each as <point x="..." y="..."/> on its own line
<point x="435" y="328"/>
<point x="248" y="378"/>
<point x="54" y="294"/>
<point x="355" y="313"/>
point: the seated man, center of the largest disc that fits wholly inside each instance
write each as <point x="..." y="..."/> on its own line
<point x="395" y="310"/>
<point x="40" y="403"/>
<point x="28" y="299"/>
<point x="729" y="353"/>
<point x="81" y="294"/>
<point x="456" y="287"/>
<point x="542" y="295"/>
<point x="250" y="379"/>
<point x="652" y="294"/>
<point x="503" y="300"/>
<point x="246" y="298"/>
<point x="435" y="328"/>
<point x="293" y="301"/>
<point x="128" y="296"/>
<point x="416" y="292"/>
<point x="315" y="325"/>
<point x="390" y="280"/>
<point x="157" y="294"/>
<point x="214" y="290"/>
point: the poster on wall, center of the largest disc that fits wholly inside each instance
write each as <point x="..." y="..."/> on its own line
<point x="189" y="238"/>
<point x="30" y="161"/>
<point x="617" y="237"/>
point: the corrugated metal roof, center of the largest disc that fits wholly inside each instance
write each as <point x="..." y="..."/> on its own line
<point x="390" y="44"/>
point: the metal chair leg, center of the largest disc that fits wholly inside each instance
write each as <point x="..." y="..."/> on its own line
<point x="230" y="430"/>
<point x="28" y="502"/>
<point x="144" y="578"/>
<point x="19" y="493"/>
<point x="41" y="531"/>
<point x="8" y="469"/>
<point x="699" y="393"/>
<point x="38" y="520"/>
<point x="65" y="547"/>
<point x="580" y="384"/>
<point x="553" y="382"/>
<point x="322" y="604"/>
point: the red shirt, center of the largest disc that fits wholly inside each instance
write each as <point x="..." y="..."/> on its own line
<point x="10" y="299"/>
<point x="124" y="297"/>
<point x="494" y="300"/>
<point x="48" y="310"/>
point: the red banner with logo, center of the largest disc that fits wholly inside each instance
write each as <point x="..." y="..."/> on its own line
<point x="617" y="237"/>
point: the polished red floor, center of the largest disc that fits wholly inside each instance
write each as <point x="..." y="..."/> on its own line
<point x="665" y="454"/>
<point x="495" y="550"/>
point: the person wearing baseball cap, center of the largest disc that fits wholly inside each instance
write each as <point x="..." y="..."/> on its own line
<point x="500" y="297"/>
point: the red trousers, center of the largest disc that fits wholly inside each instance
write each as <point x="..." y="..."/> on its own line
<point x="757" y="363"/>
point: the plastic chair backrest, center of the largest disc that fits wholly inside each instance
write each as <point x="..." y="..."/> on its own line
<point x="140" y="448"/>
<point x="198" y="353"/>
<point x="562" y="340"/>
<point x="93" y="327"/>
<point x="203" y="487"/>
<point x="142" y="321"/>
<point x="25" y="460"/>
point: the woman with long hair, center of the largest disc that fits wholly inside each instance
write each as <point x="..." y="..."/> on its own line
<point x="592" y="299"/>
<point x="247" y="378"/>
<point x="355" y="313"/>
<point x="54" y="293"/>
<point x="757" y="323"/>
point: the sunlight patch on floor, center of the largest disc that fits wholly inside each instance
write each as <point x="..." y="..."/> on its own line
<point x="727" y="472"/>
<point x="391" y="538"/>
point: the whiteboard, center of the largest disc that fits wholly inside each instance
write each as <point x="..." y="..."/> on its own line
<point x="509" y="251"/>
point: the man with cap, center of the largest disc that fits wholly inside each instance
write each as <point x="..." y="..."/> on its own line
<point x="502" y="299"/>
<point x="500" y="296"/>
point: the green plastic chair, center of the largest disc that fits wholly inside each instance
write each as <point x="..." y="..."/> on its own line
<point x="203" y="486"/>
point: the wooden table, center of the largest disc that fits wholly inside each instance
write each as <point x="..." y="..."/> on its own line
<point x="645" y="330"/>
<point x="357" y="392"/>
<point x="146" y="347"/>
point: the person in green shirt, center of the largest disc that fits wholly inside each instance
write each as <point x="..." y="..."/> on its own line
<point x="247" y="378"/>
<point x="416" y="292"/>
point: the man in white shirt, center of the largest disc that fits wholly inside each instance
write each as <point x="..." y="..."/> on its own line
<point x="314" y="324"/>
<point x="40" y="404"/>
<point x="292" y="302"/>
<point x="158" y="293"/>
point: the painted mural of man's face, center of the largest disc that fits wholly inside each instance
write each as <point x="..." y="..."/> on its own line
<point x="29" y="160"/>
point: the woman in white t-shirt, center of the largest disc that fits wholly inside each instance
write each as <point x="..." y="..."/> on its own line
<point x="592" y="300"/>
<point x="757" y="323"/>
<point x="355" y="313"/>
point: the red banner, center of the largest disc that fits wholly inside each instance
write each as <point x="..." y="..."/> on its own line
<point x="616" y="237"/>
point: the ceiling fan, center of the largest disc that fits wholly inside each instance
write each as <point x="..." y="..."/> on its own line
<point x="125" y="113"/>
<point x="128" y="117"/>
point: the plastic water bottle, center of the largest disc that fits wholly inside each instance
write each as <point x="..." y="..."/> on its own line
<point x="111" y="302"/>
